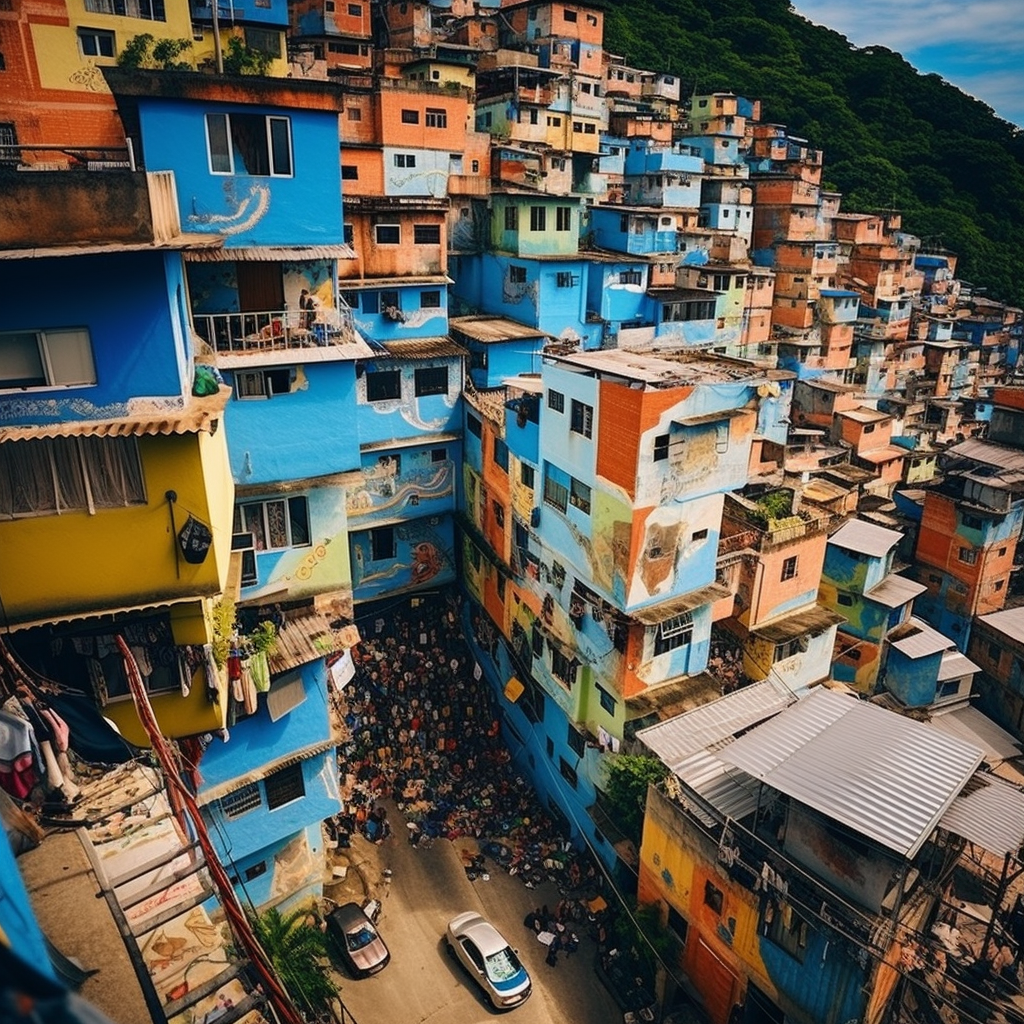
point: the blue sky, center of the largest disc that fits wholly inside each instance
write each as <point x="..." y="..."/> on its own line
<point x="976" y="45"/>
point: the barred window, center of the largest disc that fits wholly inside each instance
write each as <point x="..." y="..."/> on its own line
<point x="236" y="803"/>
<point x="284" y="786"/>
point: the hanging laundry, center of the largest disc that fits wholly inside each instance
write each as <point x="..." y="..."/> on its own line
<point x="184" y="672"/>
<point x="141" y="655"/>
<point x="20" y="758"/>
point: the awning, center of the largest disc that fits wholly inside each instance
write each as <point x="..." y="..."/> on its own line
<point x="687" y="602"/>
<point x="812" y="622"/>
<point x="270" y="253"/>
<point x="197" y="414"/>
<point x="308" y="637"/>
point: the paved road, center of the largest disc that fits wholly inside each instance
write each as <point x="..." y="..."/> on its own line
<point x="422" y="985"/>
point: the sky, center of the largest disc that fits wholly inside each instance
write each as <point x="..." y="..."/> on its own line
<point x="976" y="45"/>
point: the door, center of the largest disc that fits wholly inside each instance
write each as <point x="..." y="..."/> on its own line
<point x="714" y="981"/>
<point x="260" y="287"/>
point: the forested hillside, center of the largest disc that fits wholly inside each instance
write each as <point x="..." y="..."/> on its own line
<point x="892" y="137"/>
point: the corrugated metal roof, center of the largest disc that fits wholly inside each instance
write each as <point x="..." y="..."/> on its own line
<point x="862" y="414"/>
<point x="423" y="348"/>
<point x="916" y="639"/>
<point x="270" y="253"/>
<point x="814" y="621"/>
<point x="197" y="414"/>
<point x="684" y="603"/>
<point x="731" y="792"/>
<point x="490" y="329"/>
<point x="867" y="538"/>
<point x="1010" y="622"/>
<point x="988" y="812"/>
<point x="222" y="789"/>
<point x="186" y="240"/>
<point x="885" y="776"/>
<point x="675" y="740"/>
<point x="308" y="637"/>
<point x="894" y="591"/>
<point x="954" y="664"/>
<point x="971" y="725"/>
<point x="989" y="452"/>
<point x="887" y="454"/>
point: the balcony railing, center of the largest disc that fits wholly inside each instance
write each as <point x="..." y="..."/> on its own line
<point x="275" y="330"/>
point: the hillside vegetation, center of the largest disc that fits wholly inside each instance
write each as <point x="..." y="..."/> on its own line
<point x="891" y="136"/>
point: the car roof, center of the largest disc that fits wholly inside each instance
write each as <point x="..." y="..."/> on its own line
<point x="348" y="914"/>
<point x="485" y="936"/>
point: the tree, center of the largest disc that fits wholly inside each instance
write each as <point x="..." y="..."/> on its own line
<point x="628" y="779"/>
<point x="240" y="59"/>
<point x="143" y="51"/>
<point x="297" y="950"/>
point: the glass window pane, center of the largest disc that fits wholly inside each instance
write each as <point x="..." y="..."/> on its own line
<point x="220" y="152"/>
<point x="280" y="146"/>
<point x="298" y="514"/>
<point x="253" y="517"/>
<point x="277" y="527"/>
<point x="70" y="356"/>
<point x="21" y="365"/>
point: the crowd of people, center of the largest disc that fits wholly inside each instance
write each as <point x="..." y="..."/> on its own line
<point x="423" y="732"/>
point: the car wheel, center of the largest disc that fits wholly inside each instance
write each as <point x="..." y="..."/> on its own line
<point x="449" y="949"/>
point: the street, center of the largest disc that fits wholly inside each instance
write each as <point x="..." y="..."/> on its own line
<point x="422" y="983"/>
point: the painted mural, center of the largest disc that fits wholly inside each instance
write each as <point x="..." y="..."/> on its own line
<point x="407" y="482"/>
<point x="419" y="553"/>
<point x="414" y="411"/>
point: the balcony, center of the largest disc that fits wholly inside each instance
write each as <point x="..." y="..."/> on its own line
<point x="271" y="331"/>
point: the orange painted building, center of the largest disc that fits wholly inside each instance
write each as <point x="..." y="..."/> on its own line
<point x="422" y="230"/>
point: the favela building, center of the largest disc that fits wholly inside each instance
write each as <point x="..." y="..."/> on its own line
<point x="447" y="295"/>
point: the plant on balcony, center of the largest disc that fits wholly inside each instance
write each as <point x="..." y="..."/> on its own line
<point x="772" y="507"/>
<point x="240" y="59"/>
<point x="628" y="778"/>
<point x="143" y="51"/>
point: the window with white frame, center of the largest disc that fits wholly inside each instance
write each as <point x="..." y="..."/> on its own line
<point x="96" y="42"/>
<point x="252" y="144"/>
<point x="582" y="418"/>
<point x="274" y="524"/>
<point x="674" y="632"/>
<point x="148" y="10"/>
<point x="46" y="359"/>
<point x="49" y="476"/>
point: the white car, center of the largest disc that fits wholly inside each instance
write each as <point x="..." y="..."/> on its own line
<point x="491" y="961"/>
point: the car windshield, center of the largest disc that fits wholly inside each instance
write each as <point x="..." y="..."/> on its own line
<point x="503" y="965"/>
<point x="361" y="937"/>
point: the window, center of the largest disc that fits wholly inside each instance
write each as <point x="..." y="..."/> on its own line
<point x="238" y="801"/>
<point x="567" y="771"/>
<point x="501" y="454"/>
<point x="473" y="425"/>
<point x="562" y="668"/>
<point x="563" y="218"/>
<point x="516" y="275"/>
<point x="968" y="556"/>
<point x="589" y="129"/>
<point x="430" y="300"/>
<point x="556" y="401"/>
<point x="273" y="525"/>
<point x="576" y="741"/>
<point x="354" y="114"/>
<point x="436" y="118"/>
<point x="95" y="42"/>
<point x="390" y="300"/>
<point x="631" y="277"/>
<point x="431" y="380"/>
<point x="251" y="144"/>
<point x="555" y="494"/>
<point x="538" y="218"/>
<point x="677" y="311"/>
<point x="405" y="159"/>
<point x="355" y="10"/>
<point x="264" y="40"/>
<point x="714" y="899"/>
<point x="54" y="475"/>
<point x="347" y="234"/>
<point x="349" y="172"/>
<point x="474" y="166"/>
<point x="426" y="234"/>
<point x="387" y="234"/>
<point x="555" y="122"/>
<point x="255" y="870"/>
<point x="582" y="421"/>
<point x="673" y="632"/>
<point x="846" y="600"/>
<point x="511" y="218"/>
<point x="606" y="699"/>
<point x="994" y="652"/>
<point x="789" y="568"/>
<point x="974" y="522"/>
<point x="579" y="495"/>
<point x="251" y="384"/>
<point x="382" y="544"/>
<point x="499" y="514"/>
<point x="410" y="117"/>
<point x="788" y="932"/>
<point x="661" y="447"/>
<point x="150" y="10"/>
<point x="526" y="475"/>
<point x="563" y="279"/>
<point x="284" y="786"/>
<point x="699" y="534"/>
<point x="42" y="359"/>
<point x="383" y="385"/>
<point x="569" y="15"/>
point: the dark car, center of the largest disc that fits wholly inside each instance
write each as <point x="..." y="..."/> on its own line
<point x="357" y="940"/>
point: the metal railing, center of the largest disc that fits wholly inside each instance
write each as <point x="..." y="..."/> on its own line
<point x="273" y="330"/>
